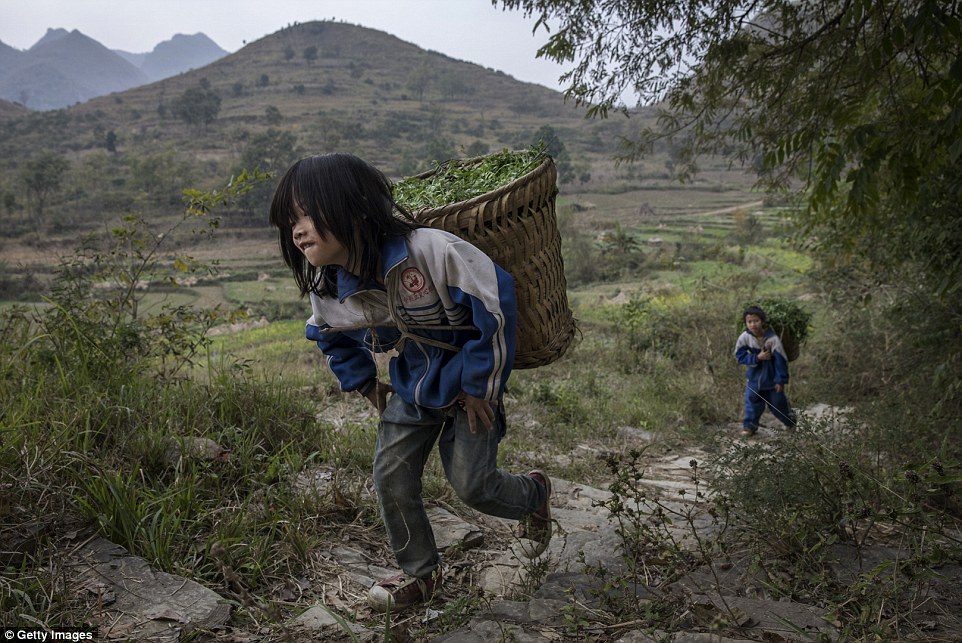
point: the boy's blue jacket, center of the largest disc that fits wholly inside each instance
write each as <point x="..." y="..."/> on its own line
<point x="437" y="280"/>
<point x="762" y="375"/>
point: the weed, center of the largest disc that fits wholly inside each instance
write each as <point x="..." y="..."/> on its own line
<point x="816" y="498"/>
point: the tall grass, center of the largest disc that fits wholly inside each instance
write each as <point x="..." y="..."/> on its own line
<point x="102" y="412"/>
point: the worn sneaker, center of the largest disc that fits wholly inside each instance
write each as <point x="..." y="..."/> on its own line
<point x="402" y="591"/>
<point x="535" y="528"/>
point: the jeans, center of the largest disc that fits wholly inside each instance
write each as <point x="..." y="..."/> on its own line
<point x="406" y="436"/>
<point x="777" y="403"/>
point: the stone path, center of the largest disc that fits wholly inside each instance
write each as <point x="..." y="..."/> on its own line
<point x="526" y="601"/>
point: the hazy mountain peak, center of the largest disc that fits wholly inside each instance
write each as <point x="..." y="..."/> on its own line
<point x="65" y="67"/>
<point x="180" y="53"/>
<point x="52" y="35"/>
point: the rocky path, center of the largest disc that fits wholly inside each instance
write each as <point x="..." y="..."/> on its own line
<point x="527" y="601"/>
<point x="560" y="596"/>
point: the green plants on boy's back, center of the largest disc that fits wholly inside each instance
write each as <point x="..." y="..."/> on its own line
<point x="787" y="318"/>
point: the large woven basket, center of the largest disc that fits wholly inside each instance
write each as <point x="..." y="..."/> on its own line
<point x="789" y="341"/>
<point x="516" y="226"/>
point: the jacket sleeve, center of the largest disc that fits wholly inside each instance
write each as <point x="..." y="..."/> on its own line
<point x="478" y="284"/>
<point x="351" y="362"/>
<point x="743" y="351"/>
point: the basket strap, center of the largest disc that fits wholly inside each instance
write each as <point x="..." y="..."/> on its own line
<point x="403" y="327"/>
<point x="393" y="287"/>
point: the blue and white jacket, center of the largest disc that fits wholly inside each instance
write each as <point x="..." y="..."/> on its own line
<point x="762" y="375"/>
<point x="442" y="289"/>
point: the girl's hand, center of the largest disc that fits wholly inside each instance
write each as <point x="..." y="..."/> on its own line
<point x="779" y="388"/>
<point x="377" y="396"/>
<point x="763" y="356"/>
<point x="476" y="408"/>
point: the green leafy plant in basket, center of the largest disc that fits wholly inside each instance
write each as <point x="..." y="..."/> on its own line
<point x="459" y="180"/>
<point x="789" y="321"/>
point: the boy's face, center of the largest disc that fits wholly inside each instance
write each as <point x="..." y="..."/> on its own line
<point x="755" y="324"/>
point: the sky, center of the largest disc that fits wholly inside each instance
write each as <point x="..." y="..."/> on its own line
<point x="472" y="30"/>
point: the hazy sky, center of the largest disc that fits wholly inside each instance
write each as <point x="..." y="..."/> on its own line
<point x="471" y="30"/>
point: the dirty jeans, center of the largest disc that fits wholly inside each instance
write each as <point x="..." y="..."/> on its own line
<point x="405" y="438"/>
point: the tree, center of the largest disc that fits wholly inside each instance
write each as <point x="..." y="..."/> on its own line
<point x="310" y="54"/>
<point x="858" y="102"/>
<point x="619" y="241"/>
<point x="272" y="151"/>
<point x="160" y="176"/>
<point x="547" y="136"/>
<point x="42" y="178"/>
<point x="197" y="106"/>
<point x="419" y="79"/>
<point x="273" y="115"/>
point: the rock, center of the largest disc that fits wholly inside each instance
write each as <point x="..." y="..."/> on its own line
<point x="194" y="448"/>
<point x="140" y="603"/>
<point x="451" y="531"/>
<point x="320" y="617"/>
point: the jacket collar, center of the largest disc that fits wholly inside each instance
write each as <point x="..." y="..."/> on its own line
<point x="394" y="250"/>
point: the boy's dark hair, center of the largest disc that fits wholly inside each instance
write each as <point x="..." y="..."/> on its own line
<point x="345" y="197"/>
<point x="754" y="310"/>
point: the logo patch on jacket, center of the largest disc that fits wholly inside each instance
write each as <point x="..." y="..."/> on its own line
<point x="412" y="280"/>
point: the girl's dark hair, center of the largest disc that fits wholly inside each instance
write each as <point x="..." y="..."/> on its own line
<point x="754" y="310"/>
<point x="345" y="197"/>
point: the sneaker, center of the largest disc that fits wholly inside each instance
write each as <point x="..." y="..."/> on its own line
<point x="401" y="591"/>
<point x="535" y="528"/>
<point x="748" y="432"/>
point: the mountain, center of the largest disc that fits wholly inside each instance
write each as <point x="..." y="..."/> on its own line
<point x="52" y="35"/>
<point x="64" y="68"/>
<point x="179" y="54"/>
<point x="9" y="57"/>
<point x="316" y="87"/>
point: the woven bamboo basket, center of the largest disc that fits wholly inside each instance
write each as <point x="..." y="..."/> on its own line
<point x="789" y="341"/>
<point x="516" y="226"/>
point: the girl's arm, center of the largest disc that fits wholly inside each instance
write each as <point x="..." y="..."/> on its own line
<point x="352" y="364"/>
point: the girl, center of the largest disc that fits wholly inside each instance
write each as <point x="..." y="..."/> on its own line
<point x="373" y="280"/>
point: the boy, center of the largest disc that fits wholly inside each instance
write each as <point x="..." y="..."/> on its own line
<point x="761" y="350"/>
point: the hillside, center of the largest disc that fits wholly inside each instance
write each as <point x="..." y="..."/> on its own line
<point x="10" y="111"/>
<point x="319" y="87"/>
<point x="365" y="90"/>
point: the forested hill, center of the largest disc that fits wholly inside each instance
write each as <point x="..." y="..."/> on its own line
<point x="328" y="85"/>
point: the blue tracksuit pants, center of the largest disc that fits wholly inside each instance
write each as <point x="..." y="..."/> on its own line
<point x="756" y="402"/>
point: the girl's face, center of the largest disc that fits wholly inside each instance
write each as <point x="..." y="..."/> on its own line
<point x="755" y="324"/>
<point x="319" y="250"/>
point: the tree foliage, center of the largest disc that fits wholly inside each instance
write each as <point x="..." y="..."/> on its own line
<point x="197" y="106"/>
<point x="43" y="177"/>
<point x="858" y="102"/>
<point x="270" y="152"/>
